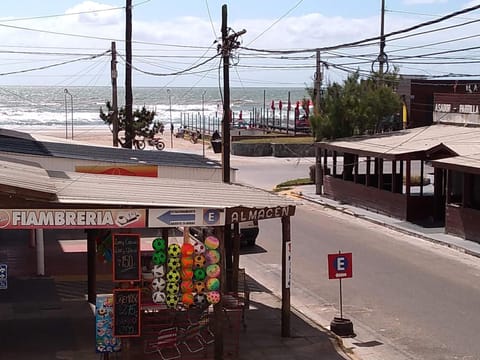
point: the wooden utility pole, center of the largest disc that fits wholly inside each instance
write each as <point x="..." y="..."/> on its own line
<point x="318" y="83"/>
<point x="114" y="75"/>
<point x="382" y="56"/>
<point x="129" y="135"/>
<point x="226" y="99"/>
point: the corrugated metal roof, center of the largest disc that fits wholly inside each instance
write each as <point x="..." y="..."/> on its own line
<point x="461" y="140"/>
<point x="76" y="188"/>
<point x="17" y="142"/>
<point x="16" y="175"/>
<point x="112" y="190"/>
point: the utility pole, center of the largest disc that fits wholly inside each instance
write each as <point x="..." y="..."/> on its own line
<point x="318" y="83"/>
<point x="382" y="57"/>
<point x="129" y="135"/>
<point x="226" y="100"/>
<point x="114" y="74"/>
<point x="229" y="42"/>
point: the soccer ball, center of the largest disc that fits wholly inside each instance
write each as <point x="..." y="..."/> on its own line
<point x="198" y="247"/>
<point x="199" y="286"/>
<point x="159" y="297"/>
<point x="200" y="300"/>
<point x="159" y="244"/>
<point x="158" y="284"/>
<point x="158" y="271"/>
<point x="199" y="261"/>
<point x="173" y="276"/>
<point x="173" y="263"/>
<point x="174" y="250"/>
<point x="172" y="288"/>
<point x="187" y="262"/>
<point x="199" y="274"/>
<point x="213" y="297"/>
<point x="171" y="300"/>
<point x="159" y="258"/>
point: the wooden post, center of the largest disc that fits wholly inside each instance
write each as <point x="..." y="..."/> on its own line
<point x="394" y="176"/>
<point x="367" y="172"/>
<point x="236" y="256"/>
<point x="380" y="173"/>
<point x="408" y="178"/>
<point x="286" y="269"/>
<point x="91" y="266"/>
<point x="218" y="308"/>
<point x="226" y="99"/>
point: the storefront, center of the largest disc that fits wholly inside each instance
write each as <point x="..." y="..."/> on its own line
<point x="181" y="298"/>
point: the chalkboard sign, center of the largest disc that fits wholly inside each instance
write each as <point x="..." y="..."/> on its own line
<point x="126" y="257"/>
<point x="126" y="312"/>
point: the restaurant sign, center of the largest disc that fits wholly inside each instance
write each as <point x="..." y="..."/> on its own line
<point x="242" y="214"/>
<point x="71" y="218"/>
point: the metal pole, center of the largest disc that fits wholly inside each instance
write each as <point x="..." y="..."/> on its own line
<point x="203" y="122"/>
<point x="171" y="124"/>
<point x="341" y="302"/>
<point x="66" y="115"/>
<point x="66" y="119"/>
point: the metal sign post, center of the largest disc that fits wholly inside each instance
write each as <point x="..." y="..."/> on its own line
<point x="340" y="267"/>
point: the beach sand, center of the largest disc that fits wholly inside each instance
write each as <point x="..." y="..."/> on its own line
<point x="99" y="136"/>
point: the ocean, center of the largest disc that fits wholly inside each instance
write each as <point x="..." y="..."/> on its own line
<point x="23" y="107"/>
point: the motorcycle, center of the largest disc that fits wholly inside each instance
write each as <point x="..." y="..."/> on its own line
<point x="157" y="143"/>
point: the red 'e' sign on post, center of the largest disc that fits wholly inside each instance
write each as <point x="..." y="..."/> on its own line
<point x="340" y="266"/>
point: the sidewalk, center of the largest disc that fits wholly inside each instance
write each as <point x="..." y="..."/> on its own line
<point x="433" y="234"/>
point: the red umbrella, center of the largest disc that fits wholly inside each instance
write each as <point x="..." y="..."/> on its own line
<point x="273" y="105"/>
<point x="280" y="104"/>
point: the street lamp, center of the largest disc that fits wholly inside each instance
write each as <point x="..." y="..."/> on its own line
<point x="171" y="124"/>
<point x="66" y="120"/>
<point x="203" y="122"/>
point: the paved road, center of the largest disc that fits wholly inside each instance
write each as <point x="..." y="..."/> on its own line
<point x="409" y="299"/>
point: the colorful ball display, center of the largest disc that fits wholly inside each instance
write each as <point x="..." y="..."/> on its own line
<point x="173" y="276"/>
<point x="158" y="284"/>
<point x="187" y="286"/>
<point x="159" y="258"/>
<point x="212" y="270"/>
<point x="211" y="242"/>
<point x="212" y="256"/>
<point x="171" y="300"/>
<point x="172" y="288"/>
<point x="187" y="249"/>
<point x="174" y="250"/>
<point x="187" y="262"/>
<point x="213" y="297"/>
<point x="186" y="274"/>
<point x="199" y="274"/>
<point x="199" y="286"/>
<point x="187" y="299"/>
<point x="199" y="261"/>
<point x="212" y="284"/>
<point x="159" y="244"/>
<point x="199" y="247"/>
<point x="173" y="263"/>
<point x="158" y="271"/>
<point x="159" y="297"/>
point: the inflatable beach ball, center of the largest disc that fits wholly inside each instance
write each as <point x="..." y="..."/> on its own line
<point x="212" y="242"/>
<point x="213" y="270"/>
<point x="212" y="256"/>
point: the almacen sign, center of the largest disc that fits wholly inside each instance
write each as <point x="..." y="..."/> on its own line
<point x="71" y="218"/>
<point x="242" y="214"/>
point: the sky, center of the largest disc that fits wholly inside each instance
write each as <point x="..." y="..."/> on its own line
<point x="175" y="43"/>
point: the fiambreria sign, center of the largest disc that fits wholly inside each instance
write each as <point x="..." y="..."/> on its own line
<point x="71" y="218"/>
